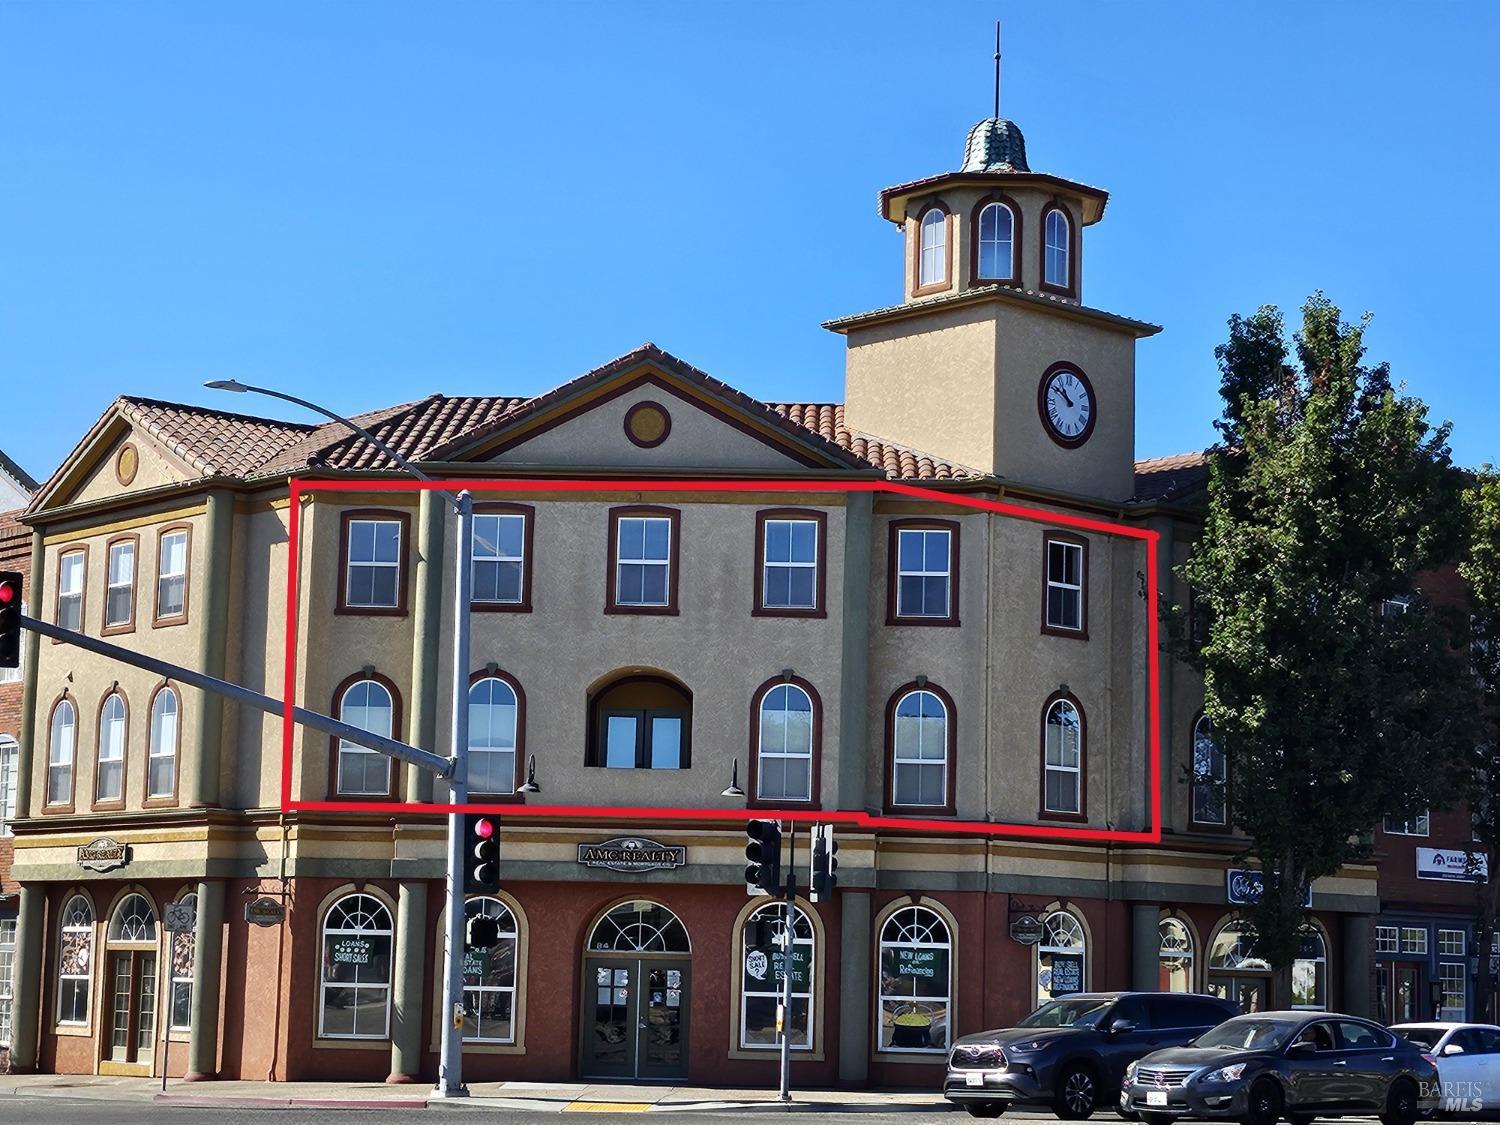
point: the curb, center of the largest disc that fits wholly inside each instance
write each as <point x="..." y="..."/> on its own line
<point x="196" y="1101"/>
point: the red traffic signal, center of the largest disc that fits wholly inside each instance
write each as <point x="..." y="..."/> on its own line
<point x="10" y="619"/>
<point x="481" y="854"/>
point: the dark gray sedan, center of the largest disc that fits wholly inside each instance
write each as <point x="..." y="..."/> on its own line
<point x="1267" y="1066"/>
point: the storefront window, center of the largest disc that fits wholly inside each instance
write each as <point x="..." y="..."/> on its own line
<point x="355" y="997"/>
<point x="1454" y="977"/>
<point x="7" y="976"/>
<point x="1236" y="969"/>
<point x="762" y="973"/>
<point x="490" y="978"/>
<point x="1310" y="972"/>
<point x="1060" y="958"/>
<point x="1176" y="956"/>
<point x="916" y="955"/>
<point x="75" y="961"/>
<point x="182" y="974"/>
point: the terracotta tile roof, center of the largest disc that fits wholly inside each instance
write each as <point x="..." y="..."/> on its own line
<point x="897" y="462"/>
<point x="215" y="442"/>
<point x="974" y="294"/>
<point x="1170" y="478"/>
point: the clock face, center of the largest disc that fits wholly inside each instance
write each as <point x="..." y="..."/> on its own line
<point x="1067" y="406"/>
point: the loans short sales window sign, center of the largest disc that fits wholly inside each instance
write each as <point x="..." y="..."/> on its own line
<point x="350" y="951"/>
<point x="1453" y="865"/>
<point x="631" y="853"/>
<point x="1244" y="885"/>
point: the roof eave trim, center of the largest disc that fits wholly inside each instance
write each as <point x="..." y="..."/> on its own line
<point x="1140" y="329"/>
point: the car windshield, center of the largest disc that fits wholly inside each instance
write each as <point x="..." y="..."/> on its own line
<point x="1078" y="1012"/>
<point x="1248" y="1033"/>
<point x="1424" y="1037"/>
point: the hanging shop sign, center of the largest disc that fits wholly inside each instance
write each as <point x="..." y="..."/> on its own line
<point x="1027" y="929"/>
<point x="1452" y="865"/>
<point x="1244" y="886"/>
<point x="631" y="853"/>
<point x="265" y="912"/>
<point x="103" y="854"/>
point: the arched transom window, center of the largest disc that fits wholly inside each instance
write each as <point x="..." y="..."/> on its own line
<point x="1061" y="957"/>
<point x="134" y="920"/>
<point x="1176" y="956"/>
<point x="355" y="993"/>
<point x="762" y="966"/>
<point x="916" y="975"/>
<point x="640" y="927"/>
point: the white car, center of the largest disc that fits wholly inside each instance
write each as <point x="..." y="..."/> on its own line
<point x="1468" y="1061"/>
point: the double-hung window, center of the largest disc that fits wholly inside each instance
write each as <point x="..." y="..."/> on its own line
<point x="1058" y="248"/>
<point x="932" y="267"/>
<point x="171" y="575"/>
<point x="1062" y="777"/>
<point x="119" y="595"/>
<point x="10" y="767"/>
<point x="373" y="578"/>
<point x="644" y="553"/>
<point x="70" y="575"/>
<point x="924" y="575"/>
<point x="500" y="561"/>
<point x="790" y="578"/>
<point x="1065" y="603"/>
<point x="1417" y="825"/>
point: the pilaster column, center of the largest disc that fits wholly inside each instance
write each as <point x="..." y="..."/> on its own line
<point x="427" y="612"/>
<point x="201" y="769"/>
<point x="1355" y="950"/>
<point x="29" y="974"/>
<point x="854" y="682"/>
<point x="208" y="946"/>
<point x="854" y="988"/>
<point x="27" y="736"/>
<point x="410" y="957"/>
<point x="1145" y="946"/>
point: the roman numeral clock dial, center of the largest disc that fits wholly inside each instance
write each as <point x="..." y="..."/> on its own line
<point x="1066" y="402"/>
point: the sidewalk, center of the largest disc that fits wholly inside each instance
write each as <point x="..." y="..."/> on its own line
<point x="540" y="1097"/>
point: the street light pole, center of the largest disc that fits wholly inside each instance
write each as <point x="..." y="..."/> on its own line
<point x="450" y="1083"/>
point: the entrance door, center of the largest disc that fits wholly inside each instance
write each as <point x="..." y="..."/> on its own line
<point x="132" y="1031"/>
<point x="1406" y="993"/>
<point x="1252" y="994"/>
<point x="636" y="1025"/>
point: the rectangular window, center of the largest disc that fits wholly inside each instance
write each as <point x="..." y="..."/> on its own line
<point x="1065" y="576"/>
<point x="1413" y="939"/>
<point x="1386" y="939"/>
<point x="1418" y="825"/>
<point x="1452" y="943"/>
<point x="643" y="561"/>
<point x="789" y="564"/>
<point x="10" y="768"/>
<point x="499" y="559"/>
<point x="373" y="564"/>
<point x="1455" y="978"/>
<point x="119" y="595"/>
<point x="923" y="558"/>
<point x="70" y="575"/>
<point x="650" y="740"/>
<point x="171" y="575"/>
<point x="181" y="1000"/>
<point x="7" y="977"/>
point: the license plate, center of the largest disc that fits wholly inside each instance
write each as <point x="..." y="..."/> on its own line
<point x="974" y="1078"/>
<point x="1156" y="1097"/>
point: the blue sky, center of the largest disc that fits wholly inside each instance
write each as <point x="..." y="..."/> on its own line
<point x="367" y="202"/>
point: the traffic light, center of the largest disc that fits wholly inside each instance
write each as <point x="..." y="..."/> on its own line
<point x="763" y="872"/>
<point x="482" y="932"/>
<point x="10" y="619"/>
<point x="481" y="854"/>
<point x="825" y="863"/>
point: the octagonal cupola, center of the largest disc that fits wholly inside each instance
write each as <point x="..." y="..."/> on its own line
<point x="993" y="222"/>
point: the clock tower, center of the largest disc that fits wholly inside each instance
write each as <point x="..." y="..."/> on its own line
<point x="992" y="359"/>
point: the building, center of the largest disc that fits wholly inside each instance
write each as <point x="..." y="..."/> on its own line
<point x="16" y="490"/>
<point x="853" y="651"/>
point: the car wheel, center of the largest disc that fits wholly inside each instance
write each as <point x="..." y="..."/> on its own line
<point x="1401" y="1105"/>
<point x="1077" y="1093"/>
<point x="1301" y="1118"/>
<point x="985" y="1109"/>
<point x="1156" y="1119"/>
<point x="1265" y="1104"/>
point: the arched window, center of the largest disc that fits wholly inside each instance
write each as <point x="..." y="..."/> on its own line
<point x="1062" y="738"/>
<point x="161" y="763"/>
<point x="1235" y="949"/>
<point x="639" y="927"/>
<point x="1176" y="956"/>
<point x="1210" y="775"/>
<point x="493" y="728"/>
<point x="641" y="722"/>
<point x="1310" y="971"/>
<point x="1061" y="957"/>
<point x="916" y="981"/>
<point x="75" y="961"/>
<point x="490" y="977"/>
<point x="784" y="751"/>
<point x="355" y="995"/>
<point x="921" y="742"/>
<point x="134" y="921"/>
<point x="996" y="240"/>
<point x="366" y="704"/>
<point x="1056" y="267"/>
<point x="180" y="1001"/>
<point x="10" y="770"/>
<point x="761" y="975"/>
<point x="933" y="267"/>
<point x="109" y="774"/>
<point x="60" y="755"/>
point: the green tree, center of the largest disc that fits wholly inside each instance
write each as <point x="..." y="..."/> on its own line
<point x="1333" y="686"/>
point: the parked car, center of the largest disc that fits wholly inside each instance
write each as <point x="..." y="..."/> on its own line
<point x="1468" y="1062"/>
<point x="1071" y="1053"/>
<point x="1262" y="1067"/>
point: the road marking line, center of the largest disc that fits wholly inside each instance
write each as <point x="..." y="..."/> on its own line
<point x="606" y="1107"/>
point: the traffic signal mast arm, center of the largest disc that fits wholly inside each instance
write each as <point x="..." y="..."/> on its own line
<point x="443" y="767"/>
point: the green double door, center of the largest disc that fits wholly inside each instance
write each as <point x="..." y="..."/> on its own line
<point x="635" y="1017"/>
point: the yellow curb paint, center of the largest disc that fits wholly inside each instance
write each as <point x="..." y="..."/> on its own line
<point x="606" y="1107"/>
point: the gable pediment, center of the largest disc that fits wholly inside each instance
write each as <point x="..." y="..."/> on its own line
<point x="115" y="458"/>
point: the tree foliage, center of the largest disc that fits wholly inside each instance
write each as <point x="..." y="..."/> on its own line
<point x="1329" y="492"/>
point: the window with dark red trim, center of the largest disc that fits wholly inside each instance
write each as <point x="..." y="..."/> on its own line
<point x="785" y="741"/>
<point x="369" y="703"/>
<point x="920" y="745"/>
<point x="997" y="241"/>
<point x="1064" y="757"/>
<point x="922" y="573"/>
<point x="791" y="553"/>
<point x="501" y="557"/>
<point x="1210" y="790"/>
<point x="372" y="561"/>
<point x="644" y="550"/>
<point x="1065" y="597"/>
<point x="641" y="722"/>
